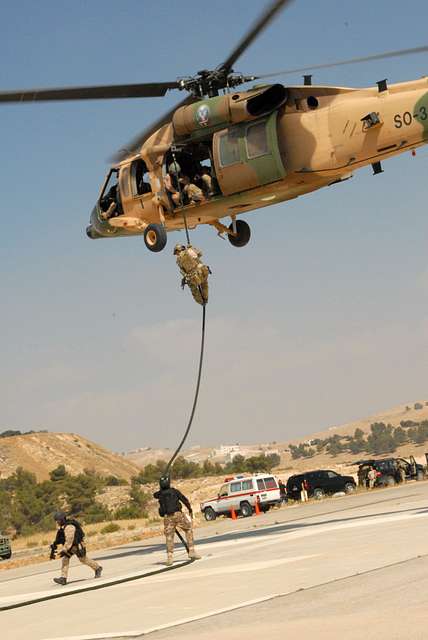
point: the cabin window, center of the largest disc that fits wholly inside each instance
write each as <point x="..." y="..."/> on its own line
<point x="270" y="483"/>
<point x="247" y="485"/>
<point x="256" y="140"/>
<point x="235" y="486"/>
<point x="260" y="485"/>
<point x="140" y="178"/>
<point x="229" y="148"/>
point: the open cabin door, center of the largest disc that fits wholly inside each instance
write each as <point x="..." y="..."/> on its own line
<point x="247" y="155"/>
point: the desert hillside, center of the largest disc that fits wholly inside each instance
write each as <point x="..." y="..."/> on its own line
<point x="392" y="416"/>
<point x="224" y="453"/>
<point x="42" y="452"/>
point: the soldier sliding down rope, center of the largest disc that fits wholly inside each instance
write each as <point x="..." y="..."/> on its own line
<point x="195" y="273"/>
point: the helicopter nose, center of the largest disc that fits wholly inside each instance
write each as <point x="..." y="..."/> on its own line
<point x="91" y="233"/>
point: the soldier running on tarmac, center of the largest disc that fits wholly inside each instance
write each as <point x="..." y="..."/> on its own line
<point x="71" y="535"/>
<point x="195" y="273"/>
<point x="170" y="500"/>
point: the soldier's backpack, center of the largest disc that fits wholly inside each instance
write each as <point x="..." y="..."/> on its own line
<point x="79" y="534"/>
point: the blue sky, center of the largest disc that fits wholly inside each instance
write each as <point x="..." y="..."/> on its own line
<point x="320" y="320"/>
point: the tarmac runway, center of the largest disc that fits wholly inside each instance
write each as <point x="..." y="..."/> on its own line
<point x="348" y="567"/>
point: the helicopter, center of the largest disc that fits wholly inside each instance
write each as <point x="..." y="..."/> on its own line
<point x="222" y="151"/>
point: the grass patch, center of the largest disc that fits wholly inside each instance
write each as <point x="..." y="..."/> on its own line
<point x="111" y="527"/>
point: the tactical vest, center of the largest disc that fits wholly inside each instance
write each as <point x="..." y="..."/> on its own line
<point x="169" y="502"/>
<point x="79" y="534"/>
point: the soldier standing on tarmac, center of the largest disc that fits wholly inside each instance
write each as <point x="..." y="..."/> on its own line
<point x="195" y="273"/>
<point x="170" y="500"/>
<point x="71" y="535"/>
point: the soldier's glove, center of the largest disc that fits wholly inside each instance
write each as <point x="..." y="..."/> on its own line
<point x="183" y="283"/>
<point x="53" y="552"/>
<point x="209" y="271"/>
<point x="65" y="554"/>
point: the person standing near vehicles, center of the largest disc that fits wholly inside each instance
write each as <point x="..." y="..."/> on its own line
<point x="71" y="535"/>
<point x="170" y="510"/>
<point x="371" y="477"/>
<point x="304" y="491"/>
<point x="282" y="492"/>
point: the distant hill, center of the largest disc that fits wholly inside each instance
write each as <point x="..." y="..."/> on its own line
<point x="42" y="452"/>
<point x="223" y="453"/>
<point x="391" y="416"/>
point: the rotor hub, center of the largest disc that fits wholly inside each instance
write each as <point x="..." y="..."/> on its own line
<point x="209" y="82"/>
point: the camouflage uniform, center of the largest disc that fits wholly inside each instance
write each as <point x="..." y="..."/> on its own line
<point x="195" y="273"/>
<point x="371" y="477"/>
<point x="73" y="549"/>
<point x="193" y="193"/>
<point x="178" y="520"/>
<point x="170" y="500"/>
<point x="401" y="471"/>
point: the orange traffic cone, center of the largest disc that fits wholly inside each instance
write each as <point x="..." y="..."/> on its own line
<point x="233" y="514"/>
<point x="257" y="508"/>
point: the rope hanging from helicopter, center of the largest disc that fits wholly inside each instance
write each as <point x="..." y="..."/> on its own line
<point x="201" y="354"/>
<point x="195" y="400"/>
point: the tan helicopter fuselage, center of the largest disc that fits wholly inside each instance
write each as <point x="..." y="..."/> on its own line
<point x="317" y="136"/>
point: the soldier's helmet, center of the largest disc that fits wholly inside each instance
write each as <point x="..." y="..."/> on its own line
<point x="178" y="248"/>
<point x="164" y="482"/>
<point x="174" y="167"/>
<point x="60" y="517"/>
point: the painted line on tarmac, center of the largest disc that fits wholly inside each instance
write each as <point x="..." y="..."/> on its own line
<point x="242" y="605"/>
<point x="94" y="587"/>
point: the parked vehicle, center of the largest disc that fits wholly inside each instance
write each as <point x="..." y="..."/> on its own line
<point x="319" y="483"/>
<point x="241" y="494"/>
<point x="5" y="547"/>
<point x="388" y="470"/>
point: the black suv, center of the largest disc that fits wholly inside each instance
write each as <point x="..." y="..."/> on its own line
<point x="319" y="483"/>
<point x="388" y="470"/>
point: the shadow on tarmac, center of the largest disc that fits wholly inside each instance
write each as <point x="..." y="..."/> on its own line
<point x="262" y="531"/>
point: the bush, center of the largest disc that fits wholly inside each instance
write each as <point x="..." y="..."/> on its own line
<point x="97" y="513"/>
<point x="58" y="474"/>
<point x="114" y="481"/>
<point x="111" y="527"/>
<point x="129" y="512"/>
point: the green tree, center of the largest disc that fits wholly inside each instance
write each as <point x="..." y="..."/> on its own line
<point x="400" y="436"/>
<point x="381" y="439"/>
<point x="136" y="507"/>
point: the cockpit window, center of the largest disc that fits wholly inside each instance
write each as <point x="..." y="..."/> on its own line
<point x="140" y="182"/>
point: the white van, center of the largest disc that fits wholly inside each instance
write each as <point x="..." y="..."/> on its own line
<point x="241" y="494"/>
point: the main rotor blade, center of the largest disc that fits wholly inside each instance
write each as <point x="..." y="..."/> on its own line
<point x="377" y="56"/>
<point x="136" y="142"/>
<point x="141" y="90"/>
<point x="267" y="16"/>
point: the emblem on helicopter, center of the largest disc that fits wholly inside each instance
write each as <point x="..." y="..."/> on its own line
<point x="203" y="115"/>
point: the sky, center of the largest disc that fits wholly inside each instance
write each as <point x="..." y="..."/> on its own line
<point x="320" y="320"/>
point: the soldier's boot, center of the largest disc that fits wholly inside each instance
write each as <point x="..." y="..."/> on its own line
<point x="98" y="572"/>
<point x="193" y="554"/>
<point x="169" y="560"/>
<point x="61" y="581"/>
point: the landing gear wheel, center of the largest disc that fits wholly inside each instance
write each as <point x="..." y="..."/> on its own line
<point x="155" y="237"/>
<point x="243" y="234"/>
